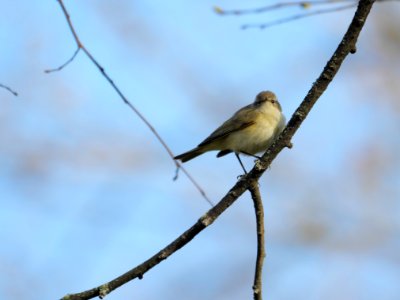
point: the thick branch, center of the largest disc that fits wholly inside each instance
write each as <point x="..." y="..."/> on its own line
<point x="347" y="45"/>
<point x="138" y="272"/>
<point x="259" y="210"/>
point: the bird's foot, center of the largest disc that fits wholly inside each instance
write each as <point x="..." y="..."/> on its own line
<point x="240" y="177"/>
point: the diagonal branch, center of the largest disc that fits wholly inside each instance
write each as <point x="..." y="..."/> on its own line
<point x="138" y="272"/>
<point x="81" y="46"/>
<point x="259" y="209"/>
<point x="346" y="46"/>
<point x="8" y="89"/>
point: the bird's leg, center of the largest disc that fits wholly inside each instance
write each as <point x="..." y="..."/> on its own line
<point x="255" y="156"/>
<point x="240" y="161"/>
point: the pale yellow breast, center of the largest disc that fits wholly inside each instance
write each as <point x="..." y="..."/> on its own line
<point x="259" y="136"/>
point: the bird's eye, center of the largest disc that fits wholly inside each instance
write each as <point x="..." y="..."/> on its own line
<point x="273" y="101"/>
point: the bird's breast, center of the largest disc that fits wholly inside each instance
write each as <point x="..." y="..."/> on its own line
<point x="259" y="136"/>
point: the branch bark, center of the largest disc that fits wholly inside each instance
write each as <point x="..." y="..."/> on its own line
<point x="138" y="272"/>
<point x="346" y="46"/>
<point x="259" y="210"/>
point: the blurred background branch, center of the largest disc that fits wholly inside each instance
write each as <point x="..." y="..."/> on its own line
<point x="300" y="4"/>
<point x="299" y="16"/>
<point x="8" y="89"/>
<point x="308" y="8"/>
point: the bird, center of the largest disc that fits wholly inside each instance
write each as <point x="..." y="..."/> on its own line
<point x="251" y="130"/>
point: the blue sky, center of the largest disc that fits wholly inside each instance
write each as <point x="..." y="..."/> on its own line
<point x="87" y="192"/>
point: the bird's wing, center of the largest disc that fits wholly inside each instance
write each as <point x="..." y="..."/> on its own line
<point x="240" y="120"/>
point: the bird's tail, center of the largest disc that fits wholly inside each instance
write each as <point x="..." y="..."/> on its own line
<point x="190" y="154"/>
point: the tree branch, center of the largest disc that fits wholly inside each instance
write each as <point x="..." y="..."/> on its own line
<point x="138" y="272"/>
<point x="277" y="6"/>
<point x="81" y="46"/>
<point x="64" y="64"/>
<point x="299" y="16"/>
<point x="9" y="89"/>
<point x="346" y="46"/>
<point x="335" y="6"/>
<point x="259" y="210"/>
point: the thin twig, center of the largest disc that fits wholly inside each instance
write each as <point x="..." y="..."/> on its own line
<point x="347" y="45"/>
<point x="64" y="64"/>
<point x="122" y="96"/>
<point x="276" y="6"/>
<point x="9" y="89"/>
<point x="299" y="16"/>
<point x="259" y="210"/>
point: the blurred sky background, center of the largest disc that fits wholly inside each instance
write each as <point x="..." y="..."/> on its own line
<point x="86" y="191"/>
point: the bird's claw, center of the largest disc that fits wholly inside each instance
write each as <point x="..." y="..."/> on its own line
<point x="289" y="145"/>
<point x="240" y="177"/>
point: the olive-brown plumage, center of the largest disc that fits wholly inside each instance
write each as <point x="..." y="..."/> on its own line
<point x="251" y="130"/>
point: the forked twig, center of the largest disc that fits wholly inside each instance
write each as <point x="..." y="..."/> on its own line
<point x="82" y="47"/>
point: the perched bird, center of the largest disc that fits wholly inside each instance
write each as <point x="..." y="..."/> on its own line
<point x="251" y="130"/>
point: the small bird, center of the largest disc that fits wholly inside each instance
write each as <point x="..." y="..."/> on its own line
<point x="251" y="130"/>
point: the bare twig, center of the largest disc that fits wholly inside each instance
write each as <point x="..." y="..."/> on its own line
<point x="259" y="210"/>
<point x="82" y="47"/>
<point x="299" y="16"/>
<point x="347" y="45"/>
<point x="64" y="64"/>
<point x="9" y="89"/>
<point x="276" y="6"/>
